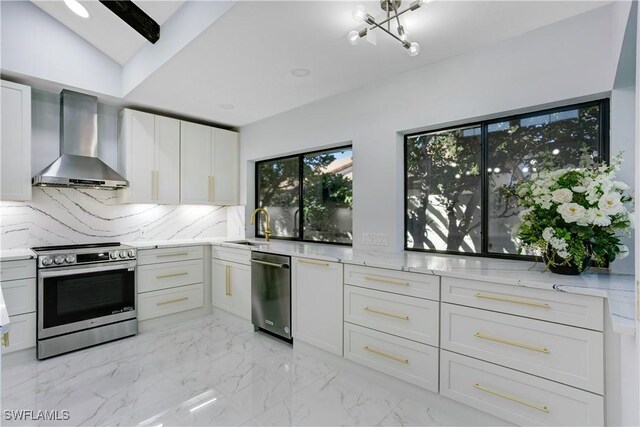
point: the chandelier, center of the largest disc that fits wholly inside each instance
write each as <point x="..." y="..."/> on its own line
<point x="392" y="14"/>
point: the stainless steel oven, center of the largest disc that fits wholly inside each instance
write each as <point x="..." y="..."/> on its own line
<point x="86" y="296"/>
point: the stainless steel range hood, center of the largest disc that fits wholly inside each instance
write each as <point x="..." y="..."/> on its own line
<point x="78" y="164"/>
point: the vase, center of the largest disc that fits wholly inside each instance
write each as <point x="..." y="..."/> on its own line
<point x="555" y="264"/>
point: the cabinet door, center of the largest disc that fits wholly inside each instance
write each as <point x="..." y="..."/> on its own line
<point x="225" y="167"/>
<point x="167" y="160"/>
<point x="195" y="164"/>
<point x="317" y="303"/>
<point x="241" y="290"/>
<point x="139" y="140"/>
<point x="15" y="142"/>
<point x="220" y="284"/>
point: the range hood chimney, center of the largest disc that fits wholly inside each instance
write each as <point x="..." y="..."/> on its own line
<point x="78" y="164"/>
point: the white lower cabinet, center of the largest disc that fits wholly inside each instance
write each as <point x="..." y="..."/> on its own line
<point x="169" y="280"/>
<point x="408" y="360"/>
<point x="18" y="282"/>
<point x="231" y="291"/>
<point x="21" y="333"/>
<point x="515" y="396"/>
<point x="317" y="303"/>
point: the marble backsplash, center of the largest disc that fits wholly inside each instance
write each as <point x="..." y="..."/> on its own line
<point x="57" y="216"/>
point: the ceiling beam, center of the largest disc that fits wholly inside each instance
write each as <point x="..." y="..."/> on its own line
<point x="135" y="18"/>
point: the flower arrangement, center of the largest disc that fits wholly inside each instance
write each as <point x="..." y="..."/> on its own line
<point x="574" y="214"/>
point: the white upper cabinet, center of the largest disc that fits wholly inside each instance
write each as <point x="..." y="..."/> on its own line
<point x="15" y="142"/>
<point x="209" y="165"/>
<point x="148" y="156"/>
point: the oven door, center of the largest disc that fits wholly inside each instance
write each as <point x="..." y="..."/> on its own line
<point x="76" y="298"/>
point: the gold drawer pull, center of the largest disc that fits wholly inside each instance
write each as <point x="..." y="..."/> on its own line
<point x="172" y="300"/>
<point x="387" y="355"/>
<point x="173" y="254"/>
<point x="386" y="313"/>
<point x="512" y="398"/>
<point x="513" y="343"/>
<point x="390" y="281"/>
<point x="164" y="276"/>
<point x="513" y="300"/>
<point x="312" y="262"/>
<point x="5" y="339"/>
<point x="228" y="280"/>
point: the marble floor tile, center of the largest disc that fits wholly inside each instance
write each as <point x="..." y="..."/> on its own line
<point x="215" y="370"/>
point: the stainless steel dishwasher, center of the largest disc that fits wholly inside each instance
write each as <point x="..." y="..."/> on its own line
<point x="271" y="293"/>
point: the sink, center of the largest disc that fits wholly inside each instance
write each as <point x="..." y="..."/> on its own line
<point x="242" y="242"/>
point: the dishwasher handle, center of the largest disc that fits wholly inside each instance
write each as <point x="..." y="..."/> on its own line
<point x="270" y="264"/>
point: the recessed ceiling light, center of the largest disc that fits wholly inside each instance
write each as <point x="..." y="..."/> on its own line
<point x="77" y="8"/>
<point x="227" y="106"/>
<point x="300" y="72"/>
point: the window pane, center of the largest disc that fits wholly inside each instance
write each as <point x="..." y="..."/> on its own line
<point x="517" y="147"/>
<point x="279" y="193"/>
<point x="443" y="190"/>
<point x="328" y="196"/>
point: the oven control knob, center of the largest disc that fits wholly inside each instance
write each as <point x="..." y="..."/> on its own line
<point x="131" y="253"/>
<point x="123" y="254"/>
<point x="46" y="261"/>
<point x="70" y="259"/>
<point x="59" y="259"/>
<point x="114" y="255"/>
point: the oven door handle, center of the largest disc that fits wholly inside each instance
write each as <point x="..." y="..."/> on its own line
<point x="72" y="271"/>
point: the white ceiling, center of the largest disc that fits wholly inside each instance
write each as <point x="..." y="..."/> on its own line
<point x="104" y="29"/>
<point x="245" y="57"/>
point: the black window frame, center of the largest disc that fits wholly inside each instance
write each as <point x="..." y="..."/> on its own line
<point x="300" y="157"/>
<point x="603" y="150"/>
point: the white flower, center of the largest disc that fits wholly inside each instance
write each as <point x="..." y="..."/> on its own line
<point x="524" y="213"/>
<point x="564" y="254"/>
<point x="571" y="212"/>
<point x="619" y="185"/>
<point x="597" y="217"/>
<point x="558" y="243"/>
<point x="548" y="233"/>
<point x="562" y="195"/>
<point x="544" y="201"/>
<point x="624" y="251"/>
<point x="611" y="204"/>
<point x="579" y="189"/>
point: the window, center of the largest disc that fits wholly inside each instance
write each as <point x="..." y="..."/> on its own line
<point x="308" y="196"/>
<point x="454" y="177"/>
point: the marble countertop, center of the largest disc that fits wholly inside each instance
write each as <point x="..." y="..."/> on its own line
<point x="16" y="254"/>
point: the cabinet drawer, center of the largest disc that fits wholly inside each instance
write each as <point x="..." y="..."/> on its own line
<point x="154" y="277"/>
<point x="401" y="358"/>
<point x="13" y="270"/>
<point x="169" y="301"/>
<point x="155" y="256"/>
<point x="22" y="332"/>
<point x="241" y="256"/>
<point x="565" y="354"/>
<point x="19" y="296"/>
<point x="570" y="309"/>
<point x="408" y="317"/>
<point x="399" y="282"/>
<point x="517" y="397"/>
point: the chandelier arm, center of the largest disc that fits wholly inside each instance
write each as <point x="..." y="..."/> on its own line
<point x="394" y="16"/>
<point x="375" y="24"/>
<point x="395" y="9"/>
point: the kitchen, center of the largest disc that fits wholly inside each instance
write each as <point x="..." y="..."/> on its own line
<point x="380" y="319"/>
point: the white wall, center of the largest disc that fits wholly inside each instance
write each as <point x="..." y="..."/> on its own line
<point x="568" y="61"/>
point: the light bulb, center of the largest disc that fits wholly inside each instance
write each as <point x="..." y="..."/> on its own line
<point x="359" y="13"/>
<point x="354" y="37"/>
<point x="414" y="49"/>
<point x="77" y="8"/>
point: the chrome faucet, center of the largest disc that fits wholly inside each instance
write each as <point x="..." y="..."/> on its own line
<point x="267" y="230"/>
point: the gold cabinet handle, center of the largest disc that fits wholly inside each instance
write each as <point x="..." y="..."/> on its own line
<point x="153" y="185"/>
<point x="157" y="186"/>
<point x="386" y="313"/>
<point x="172" y="254"/>
<point x="513" y="300"/>
<point x="213" y="188"/>
<point x="390" y="281"/>
<point x="542" y="408"/>
<point x="228" y="279"/>
<point x="172" y="300"/>
<point x="313" y="262"/>
<point x="513" y="343"/>
<point x="5" y="339"/>
<point x="164" y="276"/>
<point x="387" y="355"/>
